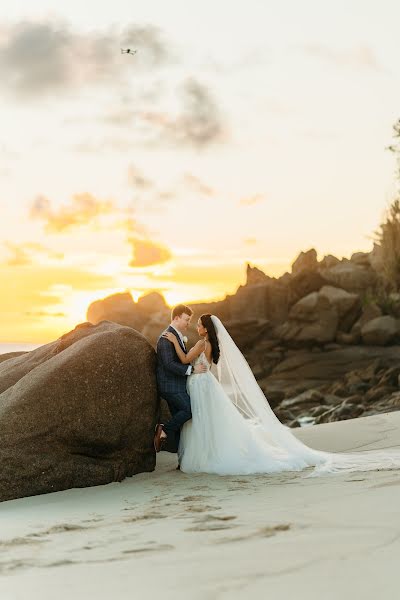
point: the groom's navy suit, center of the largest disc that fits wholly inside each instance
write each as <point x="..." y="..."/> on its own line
<point x="171" y="381"/>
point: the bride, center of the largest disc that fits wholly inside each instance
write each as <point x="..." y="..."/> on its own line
<point x="233" y="430"/>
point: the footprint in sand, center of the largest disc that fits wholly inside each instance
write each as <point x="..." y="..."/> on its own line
<point x="386" y="484"/>
<point x="194" y="498"/>
<point x="61" y="528"/>
<point x="21" y="541"/>
<point x="145" y="517"/>
<point x="199" y="508"/>
<point x="157" y="548"/>
<point x="212" y="523"/>
<point x="267" y="531"/>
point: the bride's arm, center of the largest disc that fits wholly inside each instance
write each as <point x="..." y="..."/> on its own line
<point x="193" y="352"/>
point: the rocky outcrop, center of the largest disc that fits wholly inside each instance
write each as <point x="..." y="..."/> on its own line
<point x="305" y="260"/>
<point x="305" y="331"/>
<point x="77" y="412"/>
<point x="330" y="384"/>
<point x="317" y="317"/>
<point x="119" y="308"/>
<point x="349" y="276"/>
<point x="255" y="276"/>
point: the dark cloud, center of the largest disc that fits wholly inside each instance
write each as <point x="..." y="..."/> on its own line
<point x="199" y="122"/>
<point x="40" y="58"/>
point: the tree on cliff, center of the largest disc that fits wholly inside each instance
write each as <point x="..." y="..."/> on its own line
<point x="388" y="234"/>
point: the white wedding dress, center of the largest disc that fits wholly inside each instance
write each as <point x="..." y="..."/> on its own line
<point x="233" y="430"/>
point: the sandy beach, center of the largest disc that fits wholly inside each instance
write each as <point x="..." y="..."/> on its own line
<point x="208" y="537"/>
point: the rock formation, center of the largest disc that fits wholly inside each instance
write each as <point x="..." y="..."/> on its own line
<point x="307" y="331"/>
<point x="77" y="412"/>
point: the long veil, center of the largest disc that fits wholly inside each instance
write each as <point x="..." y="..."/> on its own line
<point x="240" y="385"/>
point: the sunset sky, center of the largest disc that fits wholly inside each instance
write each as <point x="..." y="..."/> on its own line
<point x="240" y="131"/>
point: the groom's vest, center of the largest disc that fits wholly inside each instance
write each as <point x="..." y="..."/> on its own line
<point x="171" y="373"/>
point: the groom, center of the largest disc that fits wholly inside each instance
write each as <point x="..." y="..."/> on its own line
<point x="171" y="381"/>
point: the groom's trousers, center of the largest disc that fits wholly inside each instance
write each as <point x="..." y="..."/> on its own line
<point x="179" y="406"/>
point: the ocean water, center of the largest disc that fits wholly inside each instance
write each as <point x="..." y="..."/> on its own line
<point x="16" y="347"/>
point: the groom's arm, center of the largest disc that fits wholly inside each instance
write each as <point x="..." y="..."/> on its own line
<point x="169" y="358"/>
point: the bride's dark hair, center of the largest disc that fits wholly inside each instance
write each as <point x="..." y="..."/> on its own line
<point x="212" y="336"/>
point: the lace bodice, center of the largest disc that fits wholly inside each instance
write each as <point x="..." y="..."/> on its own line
<point x="201" y="359"/>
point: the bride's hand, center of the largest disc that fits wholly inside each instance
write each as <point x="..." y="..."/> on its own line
<point x="170" y="337"/>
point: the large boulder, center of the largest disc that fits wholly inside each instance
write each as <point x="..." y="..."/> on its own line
<point x="260" y="301"/>
<point x="346" y="304"/>
<point x="369" y="312"/>
<point x="119" y="308"/>
<point x="311" y="320"/>
<point x="9" y="355"/>
<point x="304" y="283"/>
<point x="381" y="331"/>
<point x="349" y="276"/>
<point x="151" y="304"/>
<point x="78" y="412"/>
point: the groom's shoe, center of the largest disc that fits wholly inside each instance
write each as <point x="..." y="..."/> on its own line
<point x="157" y="438"/>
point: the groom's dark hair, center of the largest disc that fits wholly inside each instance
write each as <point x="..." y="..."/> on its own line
<point x="177" y="311"/>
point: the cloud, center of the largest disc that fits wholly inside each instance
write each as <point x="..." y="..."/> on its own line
<point x="137" y="179"/>
<point x="199" y="122"/>
<point x="361" y="57"/>
<point x="82" y="210"/>
<point x="43" y="313"/>
<point x="104" y="145"/>
<point x="147" y="253"/>
<point x="251" y="200"/>
<point x="23" y="254"/>
<point x="38" y="58"/>
<point x="197" y="185"/>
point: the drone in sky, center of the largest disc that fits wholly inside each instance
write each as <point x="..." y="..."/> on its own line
<point x="128" y="51"/>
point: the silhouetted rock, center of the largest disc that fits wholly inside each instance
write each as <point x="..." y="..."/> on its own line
<point x="260" y="301"/>
<point x="152" y="303"/>
<point x="78" y="412"/>
<point x="305" y="260"/>
<point x="328" y="262"/>
<point x="361" y="258"/>
<point x="119" y="308"/>
<point x="254" y="276"/>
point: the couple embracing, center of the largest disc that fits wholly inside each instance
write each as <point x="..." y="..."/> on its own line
<point x="223" y="423"/>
